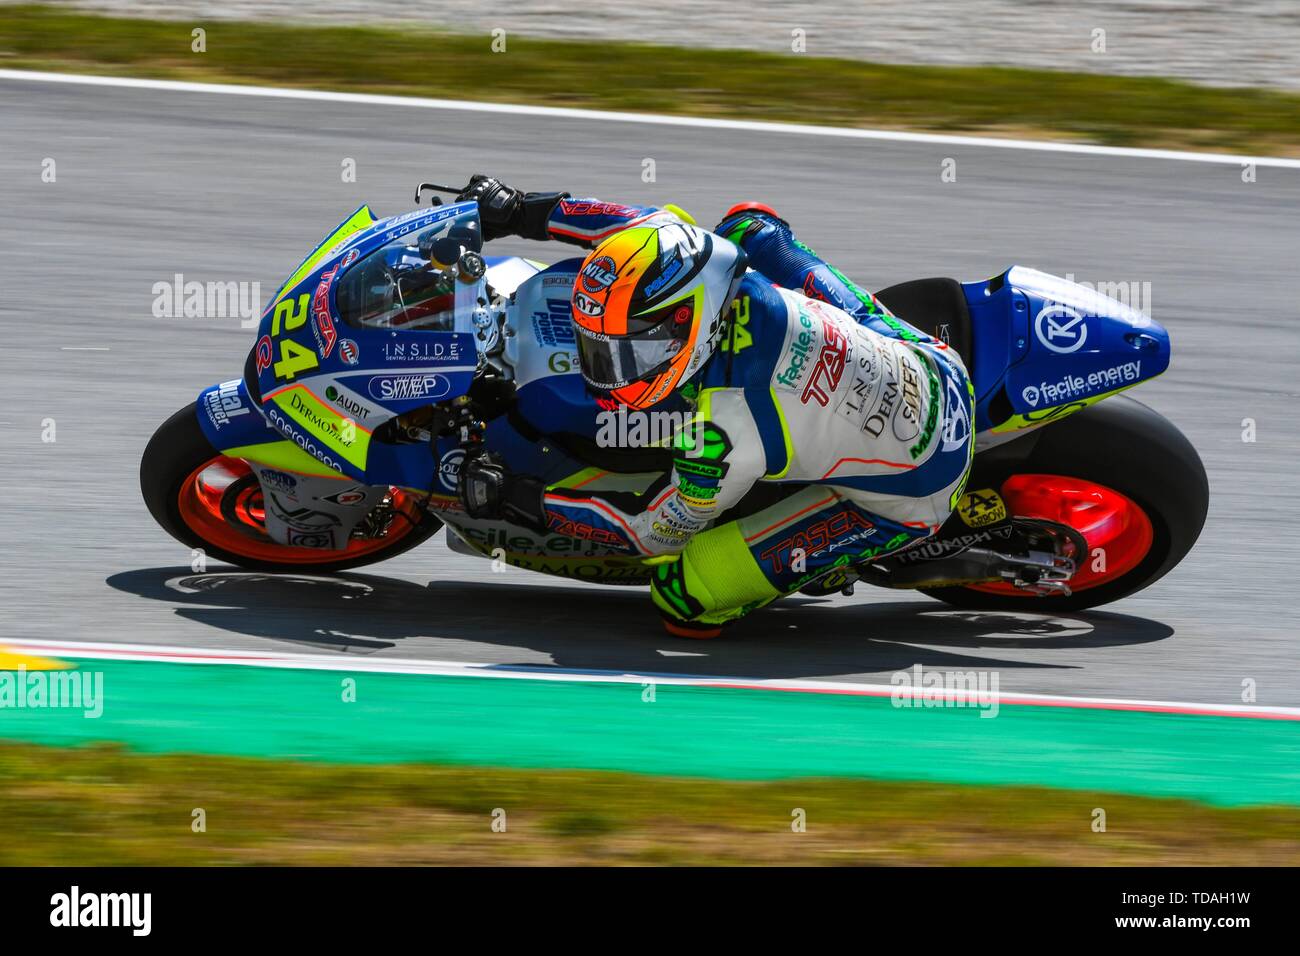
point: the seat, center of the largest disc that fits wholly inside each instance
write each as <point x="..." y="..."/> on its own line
<point x="937" y="306"/>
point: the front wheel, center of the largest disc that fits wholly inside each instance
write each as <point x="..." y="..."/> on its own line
<point x="1120" y="474"/>
<point x="207" y="500"/>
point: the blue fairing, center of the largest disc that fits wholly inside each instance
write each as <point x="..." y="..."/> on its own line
<point x="560" y="403"/>
<point x="1043" y="343"/>
<point x="229" y="418"/>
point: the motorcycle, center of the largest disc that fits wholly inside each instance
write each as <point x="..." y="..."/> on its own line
<point x="341" y="442"/>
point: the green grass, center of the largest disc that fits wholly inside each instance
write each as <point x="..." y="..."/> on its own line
<point x="102" y="805"/>
<point x="637" y="77"/>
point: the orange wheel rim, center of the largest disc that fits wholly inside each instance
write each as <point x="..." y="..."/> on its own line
<point x="220" y="505"/>
<point x="1117" y="529"/>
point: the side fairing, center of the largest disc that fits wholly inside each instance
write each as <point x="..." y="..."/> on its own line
<point x="540" y="341"/>
<point x="236" y="427"/>
<point x="542" y="347"/>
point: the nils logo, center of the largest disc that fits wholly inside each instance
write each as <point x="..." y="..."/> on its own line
<point x="599" y="274"/>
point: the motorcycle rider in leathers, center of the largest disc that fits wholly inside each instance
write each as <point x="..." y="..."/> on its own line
<point x="793" y="374"/>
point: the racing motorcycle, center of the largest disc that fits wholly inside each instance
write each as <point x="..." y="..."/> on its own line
<point x="397" y="348"/>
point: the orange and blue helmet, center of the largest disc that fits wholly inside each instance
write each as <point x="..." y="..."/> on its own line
<point x="648" y="307"/>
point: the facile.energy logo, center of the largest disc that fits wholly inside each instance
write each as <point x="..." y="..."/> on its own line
<point x="1078" y="386"/>
<point x="63" y="689"/>
<point x="75" y="909"/>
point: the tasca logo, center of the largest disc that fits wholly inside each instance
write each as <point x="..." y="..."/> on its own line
<point x="322" y="321"/>
<point x="828" y="371"/>
<point x="836" y="530"/>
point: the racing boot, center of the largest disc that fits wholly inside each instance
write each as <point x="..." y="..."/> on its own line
<point x="712" y="583"/>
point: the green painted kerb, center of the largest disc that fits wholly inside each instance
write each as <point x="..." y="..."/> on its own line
<point x="685" y="731"/>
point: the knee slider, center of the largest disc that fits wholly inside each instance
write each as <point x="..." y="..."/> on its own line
<point x="716" y="573"/>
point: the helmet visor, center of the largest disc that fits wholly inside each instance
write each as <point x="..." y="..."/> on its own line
<point x="610" y="362"/>
<point x="615" y="361"/>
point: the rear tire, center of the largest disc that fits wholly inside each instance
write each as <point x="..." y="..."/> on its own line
<point x="178" y="448"/>
<point x="1123" y="445"/>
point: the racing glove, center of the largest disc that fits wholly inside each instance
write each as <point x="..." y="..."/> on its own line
<point x="489" y="492"/>
<point x="506" y="211"/>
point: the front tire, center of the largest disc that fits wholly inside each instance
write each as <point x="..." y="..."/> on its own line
<point x="1120" y="446"/>
<point x="222" y="522"/>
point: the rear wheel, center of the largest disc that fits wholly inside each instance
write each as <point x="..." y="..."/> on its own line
<point x="1118" y="473"/>
<point x="206" y="500"/>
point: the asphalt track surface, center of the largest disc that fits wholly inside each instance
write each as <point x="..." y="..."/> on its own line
<point x="154" y="183"/>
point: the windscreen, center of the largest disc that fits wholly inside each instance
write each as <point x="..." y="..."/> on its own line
<point x="409" y="282"/>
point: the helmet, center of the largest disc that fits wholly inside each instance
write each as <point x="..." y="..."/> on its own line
<point x="647" y="308"/>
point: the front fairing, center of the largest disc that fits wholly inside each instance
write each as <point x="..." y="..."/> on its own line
<point x="327" y="385"/>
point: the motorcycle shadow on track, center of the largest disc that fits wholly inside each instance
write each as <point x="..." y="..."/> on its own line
<point x="614" y="629"/>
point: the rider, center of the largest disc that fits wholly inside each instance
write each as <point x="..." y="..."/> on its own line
<point x="793" y="374"/>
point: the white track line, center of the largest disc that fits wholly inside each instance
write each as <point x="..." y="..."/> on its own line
<point x="394" y="665"/>
<point x="655" y="119"/>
